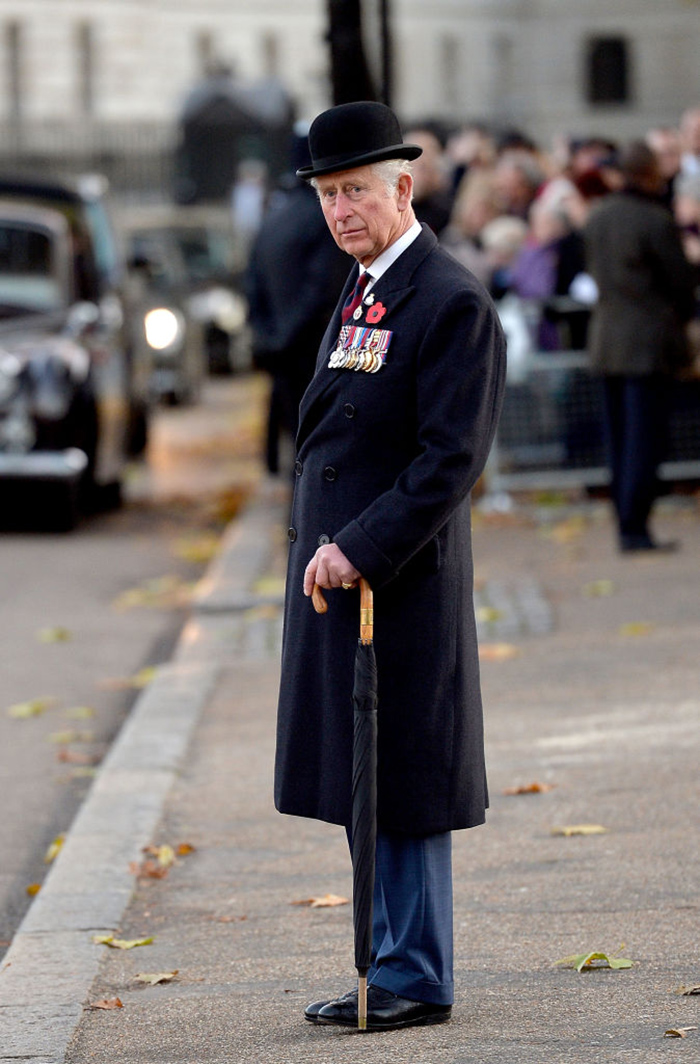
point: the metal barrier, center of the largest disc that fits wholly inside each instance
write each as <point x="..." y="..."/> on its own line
<point x="136" y="157"/>
<point x="551" y="432"/>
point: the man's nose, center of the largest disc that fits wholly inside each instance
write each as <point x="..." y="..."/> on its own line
<point x="341" y="207"/>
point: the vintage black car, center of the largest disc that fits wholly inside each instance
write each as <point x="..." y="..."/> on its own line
<point x="198" y="260"/>
<point x="174" y="336"/>
<point x="73" y="378"/>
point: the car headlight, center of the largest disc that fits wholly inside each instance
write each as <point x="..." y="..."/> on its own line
<point x="164" y="328"/>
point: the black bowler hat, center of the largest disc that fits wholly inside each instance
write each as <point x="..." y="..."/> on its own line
<point x="355" y="134"/>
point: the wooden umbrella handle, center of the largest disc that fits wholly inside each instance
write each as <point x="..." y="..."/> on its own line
<point x="366" y="608"/>
<point x="317" y="597"/>
<point x="366" y="612"/>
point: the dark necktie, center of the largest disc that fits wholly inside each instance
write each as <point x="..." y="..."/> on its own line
<point x="355" y="298"/>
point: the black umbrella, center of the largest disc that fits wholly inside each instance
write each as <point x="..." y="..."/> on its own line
<point x="363" y="837"/>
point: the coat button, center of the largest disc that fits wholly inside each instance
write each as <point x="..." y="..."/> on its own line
<point x="291" y="534"/>
<point x="349" y="410"/>
<point x="324" y="540"/>
<point x="298" y="467"/>
<point x="329" y="473"/>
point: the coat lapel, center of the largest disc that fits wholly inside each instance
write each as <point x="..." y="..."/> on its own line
<point x="392" y="290"/>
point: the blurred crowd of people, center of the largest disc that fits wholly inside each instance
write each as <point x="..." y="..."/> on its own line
<point x="515" y="214"/>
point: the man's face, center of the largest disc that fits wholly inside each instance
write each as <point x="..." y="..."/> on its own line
<point x="364" y="217"/>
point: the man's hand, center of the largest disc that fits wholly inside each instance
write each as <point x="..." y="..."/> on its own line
<point x="329" y="568"/>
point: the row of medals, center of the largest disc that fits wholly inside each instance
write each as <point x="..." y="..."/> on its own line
<point x="367" y="361"/>
<point x="363" y="359"/>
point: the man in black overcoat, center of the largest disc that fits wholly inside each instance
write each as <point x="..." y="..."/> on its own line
<point x="394" y="431"/>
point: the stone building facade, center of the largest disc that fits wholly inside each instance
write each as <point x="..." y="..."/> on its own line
<point x="84" y="67"/>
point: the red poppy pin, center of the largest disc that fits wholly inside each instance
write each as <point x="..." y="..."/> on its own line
<point x="375" y="313"/>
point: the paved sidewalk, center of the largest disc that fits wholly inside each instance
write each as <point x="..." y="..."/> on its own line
<point x="591" y="683"/>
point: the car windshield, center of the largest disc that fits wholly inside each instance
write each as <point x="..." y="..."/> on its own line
<point x="207" y="252"/>
<point x="27" y="278"/>
<point x="165" y="269"/>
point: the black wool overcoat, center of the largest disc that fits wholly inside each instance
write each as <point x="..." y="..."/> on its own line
<point x="385" y="465"/>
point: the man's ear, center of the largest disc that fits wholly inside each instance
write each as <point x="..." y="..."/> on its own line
<point x="404" y="189"/>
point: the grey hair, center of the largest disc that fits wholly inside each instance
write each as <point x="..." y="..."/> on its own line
<point x="388" y="171"/>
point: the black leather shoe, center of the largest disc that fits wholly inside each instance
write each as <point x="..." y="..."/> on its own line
<point x="633" y="544"/>
<point x="312" y="1011"/>
<point x="385" y="1011"/>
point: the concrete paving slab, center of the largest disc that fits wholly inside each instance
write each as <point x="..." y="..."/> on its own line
<point x="25" y="1035"/>
<point x="611" y="722"/>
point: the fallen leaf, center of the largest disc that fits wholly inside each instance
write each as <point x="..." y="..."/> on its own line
<point x="163" y="592"/>
<point x="328" y="901"/>
<point x="120" y="943"/>
<point x="197" y="549"/>
<point x="566" y="531"/>
<point x="54" y="849"/>
<point x="184" y="849"/>
<point x="33" y="889"/>
<point x="270" y="586"/>
<point x="33" y="708"/>
<point x="594" y="960"/>
<point x="83" y="772"/>
<point x="53" y="635"/>
<point x="598" y="588"/>
<point x="530" y="788"/>
<point x="106" y="1003"/>
<point x="488" y="614"/>
<point x="79" y="712"/>
<point x="139" y="680"/>
<point x="498" y="651"/>
<point x="265" y="612"/>
<point x="153" y="978"/>
<point x="580" y="829"/>
<point x="73" y="757"/>
<point x="688" y="991"/>
<point x="148" y="868"/>
<point x="636" y="628"/>
<point x="678" y="1032"/>
<point x="65" y="737"/>
<point x="164" y="855"/>
<point x="549" y="497"/>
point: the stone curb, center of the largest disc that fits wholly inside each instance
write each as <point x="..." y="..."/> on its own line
<point x="52" y="962"/>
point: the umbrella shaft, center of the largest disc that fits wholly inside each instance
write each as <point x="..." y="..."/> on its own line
<point x="362" y="1003"/>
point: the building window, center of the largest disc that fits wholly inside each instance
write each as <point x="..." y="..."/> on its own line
<point x="607" y="70"/>
<point x="85" y="47"/>
<point x="449" y="66"/>
<point x="13" y="52"/>
<point x="271" y="55"/>
<point x="206" y="53"/>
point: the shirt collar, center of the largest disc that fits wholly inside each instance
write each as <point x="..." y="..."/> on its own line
<point x="387" y="258"/>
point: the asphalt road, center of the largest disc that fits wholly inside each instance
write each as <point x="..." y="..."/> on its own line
<point x="81" y="614"/>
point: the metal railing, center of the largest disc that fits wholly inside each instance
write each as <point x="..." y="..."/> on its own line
<point x="136" y="157"/>
<point x="551" y="432"/>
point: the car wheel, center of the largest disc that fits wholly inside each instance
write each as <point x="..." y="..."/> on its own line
<point x="137" y="433"/>
<point x="61" y="509"/>
<point x="218" y="346"/>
